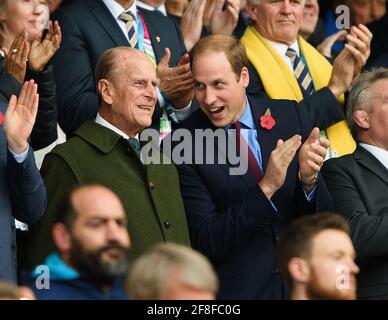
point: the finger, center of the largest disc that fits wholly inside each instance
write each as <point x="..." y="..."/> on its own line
<point x="315" y="167"/>
<point x="11" y="105"/>
<point x="340" y="35"/>
<point x="166" y="58"/>
<point x="58" y="32"/>
<point x="317" y="149"/>
<point x="358" y="56"/>
<point x="219" y="5"/>
<point x="25" y="51"/>
<point x="362" y="32"/>
<point x="23" y="93"/>
<point x="366" y="31"/>
<point x="180" y="70"/>
<point x="357" y="43"/>
<point x="316" y="158"/>
<point x="184" y="60"/>
<point x="314" y="135"/>
<point x="31" y="98"/>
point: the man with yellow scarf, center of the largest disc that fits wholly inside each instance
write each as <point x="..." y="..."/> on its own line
<point x="285" y="66"/>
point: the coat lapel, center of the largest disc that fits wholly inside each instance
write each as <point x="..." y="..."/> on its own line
<point x="107" y="21"/>
<point x="368" y="160"/>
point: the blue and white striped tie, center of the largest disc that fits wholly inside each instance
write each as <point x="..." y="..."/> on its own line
<point x="301" y="72"/>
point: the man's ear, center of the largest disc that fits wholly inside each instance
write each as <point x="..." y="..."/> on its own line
<point x="244" y="77"/>
<point x="299" y="270"/>
<point x="252" y="11"/>
<point x="361" y="117"/>
<point x="61" y="237"/>
<point x="105" y="89"/>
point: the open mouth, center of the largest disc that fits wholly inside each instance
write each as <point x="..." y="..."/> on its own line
<point x="146" y="108"/>
<point x="216" y="109"/>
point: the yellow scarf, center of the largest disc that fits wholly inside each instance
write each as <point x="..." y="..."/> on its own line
<point x="280" y="83"/>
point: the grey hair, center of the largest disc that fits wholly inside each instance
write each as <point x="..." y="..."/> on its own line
<point x="360" y="96"/>
<point x="149" y="275"/>
<point x="256" y="2"/>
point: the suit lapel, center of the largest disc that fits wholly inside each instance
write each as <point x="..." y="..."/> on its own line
<point x="267" y="138"/>
<point x="369" y="161"/>
<point x="107" y="21"/>
<point x="151" y="20"/>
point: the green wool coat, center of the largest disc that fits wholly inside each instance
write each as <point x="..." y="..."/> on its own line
<point x="150" y="194"/>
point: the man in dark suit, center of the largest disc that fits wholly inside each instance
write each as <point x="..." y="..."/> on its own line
<point x="90" y="27"/>
<point x="236" y="220"/>
<point x="22" y="193"/>
<point x="359" y="181"/>
<point x="106" y="152"/>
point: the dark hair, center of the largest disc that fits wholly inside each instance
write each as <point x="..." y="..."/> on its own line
<point x="230" y="45"/>
<point x="297" y="239"/>
<point x="66" y="213"/>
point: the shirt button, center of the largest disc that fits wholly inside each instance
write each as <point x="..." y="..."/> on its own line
<point x="151" y="185"/>
<point x="167" y="224"/>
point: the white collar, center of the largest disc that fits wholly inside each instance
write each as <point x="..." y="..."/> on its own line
<point x="161" y="8"/>
<point x="101" y="121"/>
<point x="379" y="153"/>
<point x="281" y="48"/>
<point x="116" y="9"/>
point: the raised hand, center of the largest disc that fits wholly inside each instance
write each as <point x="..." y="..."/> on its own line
<point x="325" y="46"/>
<point x="191" y="22"/>
<point x="225" y="16"/>
<point x="312" y="154"/>
<point x="176" y="82"/>
<point x="42" y="51"/>
<point x="278" y="164"/>
<point x="15" y="62"/>
<point x="20" y="117"/>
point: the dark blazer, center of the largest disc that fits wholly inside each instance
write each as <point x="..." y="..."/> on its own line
<point x="230" y="219"/>
<point x="359" y="185"/>
<point x="379" y="45"/>
<point x="22" y="196"/>
<point x="88" y="30"/>
<point x="45" y="128"/>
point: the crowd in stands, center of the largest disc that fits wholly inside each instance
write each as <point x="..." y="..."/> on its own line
<point x="213" y="149"/>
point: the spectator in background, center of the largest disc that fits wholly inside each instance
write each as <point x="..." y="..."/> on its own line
<point x="172" y="272"/>
<point x="92" y="248"/>
<point x="285" y="66"/>
<point x="379" y="45"/>
<point x="25" y="55"/>
<point x="359" y="181"/>
<point x="316" y="258"/>
<point x="107" y="151"/>
<point x="22" y="192"/>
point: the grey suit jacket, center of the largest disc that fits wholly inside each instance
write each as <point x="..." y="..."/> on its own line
<point x="22" y="196"/>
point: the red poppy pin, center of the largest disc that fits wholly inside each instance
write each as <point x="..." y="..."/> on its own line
<point x="1" y="118"/>
<point x="267" y="121"/>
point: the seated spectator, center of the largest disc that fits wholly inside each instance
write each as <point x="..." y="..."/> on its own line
<point x="172" y="272"/>
<point x="359" y="182"/>
<point x="316" y="258"/>
<point x="285" y="66"/>
<point x="235" y="218"/>
<point x="106" y="152"/>
<point x="92" y="248"/>
<point x="25" y="55"/>
<point x="23" y="195"/>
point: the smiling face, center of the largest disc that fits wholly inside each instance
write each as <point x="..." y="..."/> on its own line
<point x="219" y="91"/>
<point x="278" y="20"/>
<point x="25" y="15"/>
<point x="130" y="96"/>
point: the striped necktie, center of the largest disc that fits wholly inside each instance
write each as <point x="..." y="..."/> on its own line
<point x="130" y="23"/>
<point x="301" y="72"/>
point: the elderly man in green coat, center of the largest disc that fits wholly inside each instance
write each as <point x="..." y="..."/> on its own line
<point x="106" y="152"/>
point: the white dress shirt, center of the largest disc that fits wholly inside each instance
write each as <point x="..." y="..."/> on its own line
<point x="161" y="9"/>
<point x="379" y="153"/>
<point x="281" y="49"/>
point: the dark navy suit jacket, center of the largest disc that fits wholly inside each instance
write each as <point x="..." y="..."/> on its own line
<point x="231" y="221"/>
<point x="89" y="29"/>
<point x="22" y="196"/>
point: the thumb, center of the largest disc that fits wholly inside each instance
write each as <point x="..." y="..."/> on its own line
<point x="166" y="58"/>
<point x="340" y="35"/>
<point x="314" y="135"/>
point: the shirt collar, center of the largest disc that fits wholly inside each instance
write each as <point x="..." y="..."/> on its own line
<point x="379" y="153"/>
<point x="116" y="9"/>
<point x="161" y="9"/>
<point x="281" y="48"/>
<point x="101" y="121"/>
